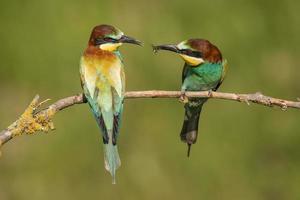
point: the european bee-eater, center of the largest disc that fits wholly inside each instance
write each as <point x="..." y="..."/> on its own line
<point x="204" y="70"/>
<point x="103" y="82"/>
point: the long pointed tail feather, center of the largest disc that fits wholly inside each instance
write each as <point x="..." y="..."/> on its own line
<point x="189" y="131"/>
<point x="111" y="159"/>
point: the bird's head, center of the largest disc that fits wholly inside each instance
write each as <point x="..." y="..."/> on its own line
<point x="194" y="51"/>
<point x="109" y="38"/>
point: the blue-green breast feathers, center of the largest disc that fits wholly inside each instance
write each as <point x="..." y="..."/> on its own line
<point x="206" y="76"/>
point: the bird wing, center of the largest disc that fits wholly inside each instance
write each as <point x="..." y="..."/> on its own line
<point x="224" y="72"/>
<point x="118" y="107"/>
<point x="88" y="78"/>
<point x="116" y="78"/>
<point x="184" y="72"/>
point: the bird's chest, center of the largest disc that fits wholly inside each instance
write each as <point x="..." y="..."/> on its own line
<point x="100" y="66"/>
<point x="204" y="77"/>
<point x="101" y="72"/>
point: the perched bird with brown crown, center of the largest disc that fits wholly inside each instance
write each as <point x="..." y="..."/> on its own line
<point x="103" y="82"/>
<point x="204" y="69"/>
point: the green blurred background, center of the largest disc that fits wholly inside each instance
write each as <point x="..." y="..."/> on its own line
<point x="243" y="152"/>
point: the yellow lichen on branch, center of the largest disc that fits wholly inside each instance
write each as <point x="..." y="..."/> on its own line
<point x="32" y="121"/>
<point x="35" y="119"/>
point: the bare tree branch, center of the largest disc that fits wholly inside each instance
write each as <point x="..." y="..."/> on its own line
<point x="34" y="120"/>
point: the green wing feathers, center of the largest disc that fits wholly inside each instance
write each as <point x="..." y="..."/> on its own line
<point x="224" y="72"/>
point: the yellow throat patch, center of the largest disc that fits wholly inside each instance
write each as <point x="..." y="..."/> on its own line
<point x="193" y="61"/>
<point x="110" y="46"/>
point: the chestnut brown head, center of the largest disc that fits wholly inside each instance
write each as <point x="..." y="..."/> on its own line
<point x="194" y="51"/>
<point x="109" y="38"/>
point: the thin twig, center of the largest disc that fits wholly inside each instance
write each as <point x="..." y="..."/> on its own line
<point x="32" y="121"/>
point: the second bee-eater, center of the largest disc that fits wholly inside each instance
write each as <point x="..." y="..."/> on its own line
<point x="103" y="82"/>
<point x="204" y="70"/>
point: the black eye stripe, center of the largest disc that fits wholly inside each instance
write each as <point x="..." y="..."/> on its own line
<point x="99" y="41"/>
<point x="191" y="53"/>
<point x="196" y="54"/>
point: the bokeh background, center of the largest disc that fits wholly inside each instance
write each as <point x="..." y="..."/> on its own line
<point x="243" y="152"/>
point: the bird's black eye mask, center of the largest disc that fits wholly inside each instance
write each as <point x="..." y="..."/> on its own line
<point x="191" y="53"/>
<point x="99" y="41"/>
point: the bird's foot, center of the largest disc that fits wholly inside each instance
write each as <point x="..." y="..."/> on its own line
<point x="183" y="98"/>
<point x="210" y="93"/>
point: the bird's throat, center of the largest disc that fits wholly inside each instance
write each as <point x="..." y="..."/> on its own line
<point x="192" y="61"/>
<point x="110" y="46"/>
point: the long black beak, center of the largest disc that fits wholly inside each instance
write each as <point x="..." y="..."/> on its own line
<point x="130" y="40"/>
<point x="167" y="47"/>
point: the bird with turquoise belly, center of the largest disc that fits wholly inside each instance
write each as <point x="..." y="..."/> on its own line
<point x="103" y="82"/>
<point x="204" y="70"/>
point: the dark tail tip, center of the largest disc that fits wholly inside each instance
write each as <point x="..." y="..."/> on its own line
<point x="189" y="150"/>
